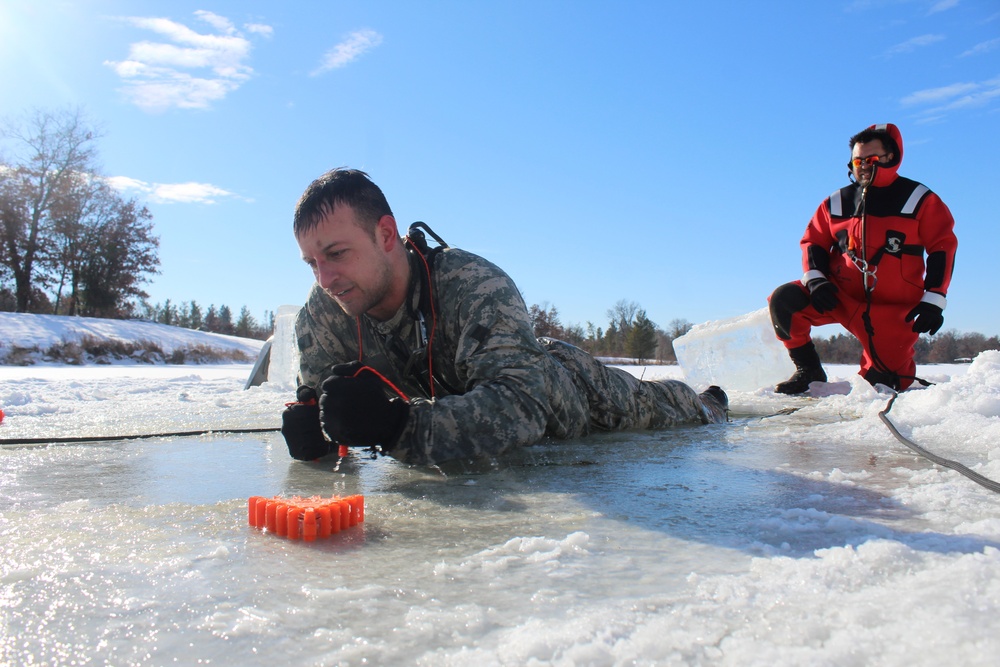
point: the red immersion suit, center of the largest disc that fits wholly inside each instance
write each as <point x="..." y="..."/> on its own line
<point x="890" y="225"/>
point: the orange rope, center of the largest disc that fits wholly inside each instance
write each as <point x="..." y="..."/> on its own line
<point x="384" y="379"/>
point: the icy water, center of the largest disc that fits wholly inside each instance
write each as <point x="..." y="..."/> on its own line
<point x="139" y="552"/>
<point x="807" y="538"/>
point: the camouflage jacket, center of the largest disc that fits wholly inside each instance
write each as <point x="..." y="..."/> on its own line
<point x="495" y="385"/>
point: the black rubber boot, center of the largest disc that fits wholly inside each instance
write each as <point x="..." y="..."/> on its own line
<point x="807" y="369"/>
<point x="716" y="404"/>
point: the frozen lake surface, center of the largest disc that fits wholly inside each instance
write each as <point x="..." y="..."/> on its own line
<point x="778" y="539"/>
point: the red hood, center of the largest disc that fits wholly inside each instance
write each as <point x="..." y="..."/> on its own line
<point x="887" y="174"/>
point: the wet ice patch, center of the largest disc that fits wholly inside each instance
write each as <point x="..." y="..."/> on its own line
<point x="520" y="551"/>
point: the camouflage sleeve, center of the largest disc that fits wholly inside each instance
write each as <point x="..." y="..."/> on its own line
<point x="513" y="391"/>
<point x="325" y="335"/>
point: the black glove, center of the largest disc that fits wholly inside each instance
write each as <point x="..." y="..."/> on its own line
<point x="822" y="294"/>
<point x="927" y="318"/>
<point x="301" y="428"/>
<point x="354" y="409"/>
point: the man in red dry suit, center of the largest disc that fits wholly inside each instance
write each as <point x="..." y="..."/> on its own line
<point x="863" y="255"/>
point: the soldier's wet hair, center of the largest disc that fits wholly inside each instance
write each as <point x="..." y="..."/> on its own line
<point x="339" y="187"/>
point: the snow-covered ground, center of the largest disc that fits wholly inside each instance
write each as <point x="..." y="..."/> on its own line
<point x="783" y="538"/>
<point x="37" y="333"/>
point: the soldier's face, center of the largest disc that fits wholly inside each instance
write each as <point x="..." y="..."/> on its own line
<point x="348" y="263"/>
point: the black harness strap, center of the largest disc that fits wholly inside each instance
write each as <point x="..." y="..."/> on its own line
<point x="413" y="363"/>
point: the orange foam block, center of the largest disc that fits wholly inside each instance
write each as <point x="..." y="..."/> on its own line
<point x="305" y="518"/>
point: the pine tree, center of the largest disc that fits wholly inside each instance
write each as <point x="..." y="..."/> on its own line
<point x="212" y="319"/>
<point x="195" y="320"/>
<point x="167" y="314"/>
<point x="225" y="324"/>
<point x="640" y="343"/>
<point x="246" y="325"/>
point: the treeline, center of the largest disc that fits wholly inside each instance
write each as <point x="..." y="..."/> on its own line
<point x="190" y="315"/>
<point x="629" y="333"/>
<point x="945" y="347"/>
<point x="69" y="243"/>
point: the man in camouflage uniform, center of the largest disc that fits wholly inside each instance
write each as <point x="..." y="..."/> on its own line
<point x="429" y="355"/>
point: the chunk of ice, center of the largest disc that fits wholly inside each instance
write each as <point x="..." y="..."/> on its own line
<point x="740" y="353"/>
<point x="284" y="365"/>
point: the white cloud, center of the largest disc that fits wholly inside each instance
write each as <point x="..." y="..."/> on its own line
<point x="982" y="47"/>
<point x="942" y="5"/>
<point x="189" y="69"/>
<point x="866" y="5"/>
<point x="938" y="95"/>
<point x="125" y="183"/>
<point x="955" y="97"/>
<point x="914" y="44"/>
<point x="220" y="23"/>
<point x="172" y="193"/>
<point x="259" y="29"/>
<point x="349" y="50"/>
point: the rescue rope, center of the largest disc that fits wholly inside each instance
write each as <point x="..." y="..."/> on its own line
<point x="941" y="461"/>
<point x="930" y="456"/>
<point x="869" y="280"/>
<point x="20" y="442"/>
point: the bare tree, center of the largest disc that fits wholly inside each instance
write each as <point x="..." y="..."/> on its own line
<point x="52" y="148"/>
<point x="64" y="227"/>
<point x="678" y="327"/>
<point x="623" y="315"/>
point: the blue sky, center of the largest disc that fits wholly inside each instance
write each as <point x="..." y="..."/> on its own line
<point x="665" y="153"/>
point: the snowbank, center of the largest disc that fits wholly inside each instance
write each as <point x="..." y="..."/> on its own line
<point x="28" y="337"/>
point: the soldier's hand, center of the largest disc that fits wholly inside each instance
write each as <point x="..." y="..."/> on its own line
<point x="354" y="409"/>
<point x="301" y="428"/>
